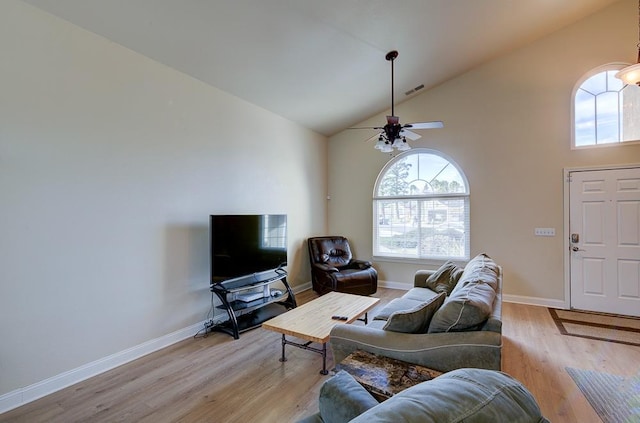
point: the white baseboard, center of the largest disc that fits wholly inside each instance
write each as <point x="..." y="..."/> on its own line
<point x="303" y="287"/>
<point x="543" y="302"/>
<point x="30" y="393"/>
<point x="381" y="284"/>
<point x="518" y="299"/>
<point x="394" y="285"/>
<point x="48" y="386"/>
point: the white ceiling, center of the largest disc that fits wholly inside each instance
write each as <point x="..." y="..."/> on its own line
<point x="321" y="62"/>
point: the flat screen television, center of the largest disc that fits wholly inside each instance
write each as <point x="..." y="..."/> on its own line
<point x="243" y="244"/>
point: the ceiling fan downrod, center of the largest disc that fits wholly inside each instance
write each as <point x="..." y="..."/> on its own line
<point x="393" y="128"/>
<point x="394" y="135"/>
<point x="391" y="56"/>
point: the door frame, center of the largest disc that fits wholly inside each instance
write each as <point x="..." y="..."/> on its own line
<point x="565" y="232"/>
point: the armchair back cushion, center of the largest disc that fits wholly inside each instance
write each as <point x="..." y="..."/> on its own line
<point x="332" y="251"/>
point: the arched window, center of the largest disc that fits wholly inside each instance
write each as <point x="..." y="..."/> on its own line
<point x="605" y="111"/>
<point x="421" y="208"/>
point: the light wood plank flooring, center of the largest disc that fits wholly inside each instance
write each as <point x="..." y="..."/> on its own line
<point x="219" y="379"/>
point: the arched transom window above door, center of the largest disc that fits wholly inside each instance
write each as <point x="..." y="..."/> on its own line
<point x="605" y="111"/>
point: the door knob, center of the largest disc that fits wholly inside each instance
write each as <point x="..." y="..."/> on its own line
<point x="576" y="249"/>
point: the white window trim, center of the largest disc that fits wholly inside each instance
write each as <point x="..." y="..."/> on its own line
<point x="374" y="211"/>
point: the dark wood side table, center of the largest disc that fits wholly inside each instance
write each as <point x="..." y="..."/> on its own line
<point x="382" y="376"/>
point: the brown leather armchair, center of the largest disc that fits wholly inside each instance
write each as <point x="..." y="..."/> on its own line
<point x="333" y="268"/>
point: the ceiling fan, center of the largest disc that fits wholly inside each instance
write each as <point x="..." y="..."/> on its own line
<point x="393" y="134"/>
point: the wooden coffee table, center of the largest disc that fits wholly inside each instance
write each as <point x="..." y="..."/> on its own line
<point x="313" y="321"/>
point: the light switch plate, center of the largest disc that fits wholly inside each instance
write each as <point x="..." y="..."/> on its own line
<point x="545" y="231"/>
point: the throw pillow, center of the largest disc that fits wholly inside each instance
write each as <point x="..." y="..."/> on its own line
<point x="401" y="304"/>
<point x="342" y="399"/>
<point x="415" y="320"/>
<point x="445" y="278"/>
<point x="466" y="311"/>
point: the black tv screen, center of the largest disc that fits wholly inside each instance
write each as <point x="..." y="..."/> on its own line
<point x="242" y="245"/>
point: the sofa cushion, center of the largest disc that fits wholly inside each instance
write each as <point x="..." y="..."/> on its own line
<point x="464" y="395"/>
<point x="481" y="267"/>
<point x="376" y="324"/>
<point x="415" y="320"/>
<point x="342" y="398"/>
<point x="471" y="302"/>
<point x="420" y="294"/>
<point x="445" y="278"/>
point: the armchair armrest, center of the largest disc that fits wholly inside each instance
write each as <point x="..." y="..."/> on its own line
<point x="438" y="351"/>
<point x="362" y="264"/>
<point x="420" y="278"/>
<point x="325" y="267"/>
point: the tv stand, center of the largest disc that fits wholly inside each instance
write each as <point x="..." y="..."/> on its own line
<point x="249" y="300"/>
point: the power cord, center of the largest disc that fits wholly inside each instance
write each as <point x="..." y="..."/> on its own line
<point x="208" y="324"/>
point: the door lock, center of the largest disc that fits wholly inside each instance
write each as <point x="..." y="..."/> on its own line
<point x="575" y="238"/>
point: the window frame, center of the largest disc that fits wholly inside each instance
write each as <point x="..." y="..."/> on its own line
<point x="597" y="70"/>
<point x="465" y="196"/>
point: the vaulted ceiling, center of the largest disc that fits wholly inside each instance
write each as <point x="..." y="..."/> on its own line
<point x="321" y="63"/>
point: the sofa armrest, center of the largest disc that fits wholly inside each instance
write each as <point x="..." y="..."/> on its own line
<point x="342" y="399"/>
<point x="438" y="351"/>
<point x="493" y="324"/>
<point x="314" y="418"/>
<point x="420" y="278"/>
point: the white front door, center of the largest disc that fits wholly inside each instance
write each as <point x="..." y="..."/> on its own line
<point x="604" y="223"/>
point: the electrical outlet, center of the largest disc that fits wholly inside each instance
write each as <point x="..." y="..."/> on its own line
<point x="545" y="231"/>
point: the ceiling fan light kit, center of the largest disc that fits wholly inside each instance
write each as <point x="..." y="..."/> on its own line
<point x="394" y="135"/>
<point x="631" y="74"/>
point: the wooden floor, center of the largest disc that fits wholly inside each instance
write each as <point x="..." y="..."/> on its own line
<point x="219" y="379"/>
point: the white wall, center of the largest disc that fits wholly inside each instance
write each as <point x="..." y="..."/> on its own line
<point x="110" y="164"/>
<point x="508" y="125"/>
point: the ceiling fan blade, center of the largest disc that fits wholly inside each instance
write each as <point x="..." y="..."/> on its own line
<point x="374" y="137"/>
<point x="425" y="125"/>
<point x="410" y="134"/>
<point x="379" y="128"/>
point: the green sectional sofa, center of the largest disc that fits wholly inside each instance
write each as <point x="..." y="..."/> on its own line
<point x="450" y="319"/>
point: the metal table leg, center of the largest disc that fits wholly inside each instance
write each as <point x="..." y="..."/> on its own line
<point x="306" y="346"/>
<point x="284" y="342"/>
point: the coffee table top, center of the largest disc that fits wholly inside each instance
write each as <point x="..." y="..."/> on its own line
<point x="382" y="376"/>
<point x="312" y="321"/>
